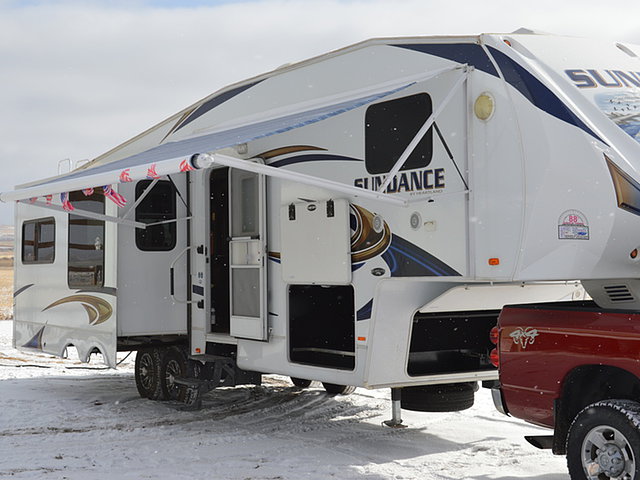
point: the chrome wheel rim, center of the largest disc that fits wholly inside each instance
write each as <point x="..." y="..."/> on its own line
<point x="606" y="453"/>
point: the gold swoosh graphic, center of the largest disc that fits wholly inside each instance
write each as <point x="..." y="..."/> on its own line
<point x="276" y="152"/>
<point x="98" y="310"/>
<point x="366" y="243"/>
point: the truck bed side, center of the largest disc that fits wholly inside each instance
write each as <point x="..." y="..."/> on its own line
<point x="544" y="346"/>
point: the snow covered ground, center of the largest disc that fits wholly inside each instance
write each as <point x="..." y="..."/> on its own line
<point x="63" y="420"/>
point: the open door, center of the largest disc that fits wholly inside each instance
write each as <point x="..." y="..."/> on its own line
<point x="247" y="246"/>
<point x="198" y="283"/>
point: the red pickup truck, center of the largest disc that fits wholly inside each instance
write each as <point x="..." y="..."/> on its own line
<point x="575" y="368"/>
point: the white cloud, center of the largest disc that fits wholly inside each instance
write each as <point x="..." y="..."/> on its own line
<point x="80" y="78"/>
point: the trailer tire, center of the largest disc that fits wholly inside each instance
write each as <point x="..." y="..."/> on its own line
<point x="147" y="373"/>
<point x="173" y="363"/>
<point x="614" y="424"/>
<point x="451" y="397"/>
<point x="301" y="382"/>
<point x="335" y="389"/>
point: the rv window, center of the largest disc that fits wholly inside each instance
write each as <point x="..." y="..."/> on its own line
<point x="38" y="240"/>
<point x="157" y="206"/>
<point x="86" y="242"/>
<point x="389" y="128"/>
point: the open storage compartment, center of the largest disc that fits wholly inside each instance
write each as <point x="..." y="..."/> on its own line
<point x="322" y="325"/>
<point x="451" y="342"/>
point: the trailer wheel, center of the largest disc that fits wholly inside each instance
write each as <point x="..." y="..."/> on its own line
<point x="147" y="373"/>
<point x="173" y="363"/>
<point x="335" y="389"/>
<point x="438" y="398"/>
<point x="604" y="441"/>
<point x="301" y="382"/>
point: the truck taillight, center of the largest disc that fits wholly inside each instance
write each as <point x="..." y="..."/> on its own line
<point x="494" y="356"/>
<point x="494" y="335"/>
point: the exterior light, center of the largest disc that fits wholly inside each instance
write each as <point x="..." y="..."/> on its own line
<point x="484" y="106"/>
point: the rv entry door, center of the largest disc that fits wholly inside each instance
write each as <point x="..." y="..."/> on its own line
<point x="247" y="272"/>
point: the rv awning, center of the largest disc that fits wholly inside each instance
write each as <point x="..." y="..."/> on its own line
<point x="174" y="157"/>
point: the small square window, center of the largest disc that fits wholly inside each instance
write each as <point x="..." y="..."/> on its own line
<point x="158" y="205"/>
<point x="389" y="128"/>
<point x="38" y="240"/>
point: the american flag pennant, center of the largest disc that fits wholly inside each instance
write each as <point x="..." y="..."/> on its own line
<point x="151" y="172"/>
<point x="33" y="199"/>
<point x="87" y="192"/>
<point x="124" y="176"/>
<point x="185" y="166"/>
<point x="114" y="196"/>
<point x="49" y="199"/>
<point x="66" y="204"/>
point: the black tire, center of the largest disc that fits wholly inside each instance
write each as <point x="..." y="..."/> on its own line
<point x="335" y="389"/>
<point x="451" y="397"/>
<point x="301" y="382"/>
<point x="147" y="373"/>
<point x="604" y="441"/>
<point x="173" y="364"/>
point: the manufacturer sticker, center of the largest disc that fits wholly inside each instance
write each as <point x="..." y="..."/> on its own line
<point x="524" y="336"/>
<point x="573" y="225"/>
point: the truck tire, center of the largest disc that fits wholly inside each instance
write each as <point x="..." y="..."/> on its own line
<point x="604" y="441"/>
<point x="147" y="373"/>
<point x="438" y="398"/>
<point x="301" y="382"/>
<point x="335" y="389"/>
<point x="173" y="363"/>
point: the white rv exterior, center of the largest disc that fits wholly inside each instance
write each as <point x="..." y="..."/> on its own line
<point x="358" y="218"/>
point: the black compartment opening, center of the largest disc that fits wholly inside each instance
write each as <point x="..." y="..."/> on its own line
<point x="451" y="342"/>
<point x="322" y="326"/>
<point x="219" y="248"/>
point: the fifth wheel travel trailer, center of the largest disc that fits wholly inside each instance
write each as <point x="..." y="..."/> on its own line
<point x="358" y="219"/>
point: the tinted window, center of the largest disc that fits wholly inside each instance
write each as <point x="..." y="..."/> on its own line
<point x="390" y="126"/>
<point x="86" y="241"/>
<point x="157" y="206"/>
<point x="38" y="241"/>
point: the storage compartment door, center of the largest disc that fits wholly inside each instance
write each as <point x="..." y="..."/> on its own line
<point x="316" y="243"/>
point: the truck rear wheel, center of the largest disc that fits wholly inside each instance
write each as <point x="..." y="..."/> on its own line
<point x="147" y="373"/>
<point x="604" y="442"/>
<point x="438" y="398"/>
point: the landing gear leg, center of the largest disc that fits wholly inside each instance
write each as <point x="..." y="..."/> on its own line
<point x="396" y="419"/>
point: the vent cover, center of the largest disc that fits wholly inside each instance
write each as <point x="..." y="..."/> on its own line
<point x="619" y="293"/>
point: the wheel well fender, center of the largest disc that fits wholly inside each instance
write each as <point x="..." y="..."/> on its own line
<point x="585" y="385"/>
<point x="94" y="348"/>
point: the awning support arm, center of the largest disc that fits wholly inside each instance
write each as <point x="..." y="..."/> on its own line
<point x="173" y="220"/>
<point x="139" y="200"/>
<point x="205" y="160"/>
<point x="86" y="214"/>
<point x="423" y="130"/>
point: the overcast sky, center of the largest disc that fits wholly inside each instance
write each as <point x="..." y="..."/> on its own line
<point x="80" y="77"/>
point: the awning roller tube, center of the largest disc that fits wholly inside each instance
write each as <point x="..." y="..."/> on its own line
<point x="132" y="174"/>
